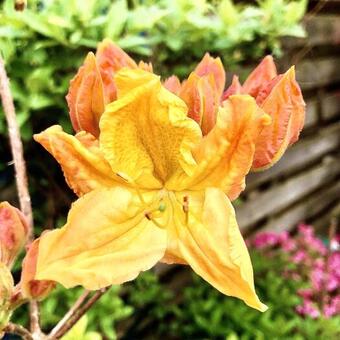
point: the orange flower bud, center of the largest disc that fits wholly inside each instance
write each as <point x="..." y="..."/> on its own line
<point x="31" y="288"/>
<point x="212" y="66"/>
<point x="85" y="98"/>
<point x="201" y="99"/>
<point x="13" y="233"/>
<point x="234" y="88"/>
<point x="6" y="290"/>
<point x="145" y="66"/>
<point x="111" y="58"/>
<point x="172" y="84"/>
<point x="261" y="75"/>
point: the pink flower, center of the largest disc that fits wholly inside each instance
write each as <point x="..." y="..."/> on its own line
<point x="266" y="239"/>
<point x="308" y="308"/>
<point x="306" y="230"/>
<point x="332" y="308"/>
<point x="299" y="256"/>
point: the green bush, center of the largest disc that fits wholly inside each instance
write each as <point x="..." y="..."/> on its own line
<point x="44" y="45"/>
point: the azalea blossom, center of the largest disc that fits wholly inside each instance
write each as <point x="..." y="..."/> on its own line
<point x="153" y="186"/>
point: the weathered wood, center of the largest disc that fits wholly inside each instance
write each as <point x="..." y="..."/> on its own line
<point x="300" y="155"/>
<point x="281" y="196"/>
<point x="331" y="106"/>
<point x="306" y="209"/>
<point x="318" y="72"/>
<point x="311" y="113"/>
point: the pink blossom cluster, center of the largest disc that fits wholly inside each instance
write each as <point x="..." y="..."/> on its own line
<point x="315" y="264"/>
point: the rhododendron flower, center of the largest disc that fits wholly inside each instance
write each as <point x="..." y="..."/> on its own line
<point x="155" y="176"/>
<point x="279" y="96"/>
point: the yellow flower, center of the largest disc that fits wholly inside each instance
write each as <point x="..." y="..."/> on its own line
<point x="153" y="189"/>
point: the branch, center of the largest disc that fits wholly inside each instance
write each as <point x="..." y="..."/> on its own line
<point x="20" y="171"/>
<point x="75" y="313"/>
<point x="18" y="330"/>
<point x="69" y="314"/>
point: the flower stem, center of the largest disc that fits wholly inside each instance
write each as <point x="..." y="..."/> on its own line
<point x="75" y="313"/>
<point x="18" y="330"/>
<point x="20" y="171"/>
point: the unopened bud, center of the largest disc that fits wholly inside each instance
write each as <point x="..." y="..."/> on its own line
<point x="6" y="290"/>
<point x="30" y="288"/>
<point x="13" y="233"/>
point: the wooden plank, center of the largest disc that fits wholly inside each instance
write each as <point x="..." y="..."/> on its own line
<point x="318" y="72"/>
<point x="281" y="196"/>
<point x="320" y="29"/>
<point x="300" y="155"/>
<point x="331" y="106"/>
<point x="304" y="210"/>
<point x="311" y="113"/>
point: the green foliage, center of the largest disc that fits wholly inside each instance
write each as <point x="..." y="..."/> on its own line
<point x="101" y="318"/>
<point x="44" y="45"/>
<point x="201" y="312"/>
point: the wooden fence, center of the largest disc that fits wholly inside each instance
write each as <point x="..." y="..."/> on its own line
<point x="304" y="185"/>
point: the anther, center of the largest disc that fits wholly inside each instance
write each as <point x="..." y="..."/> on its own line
<point x="186" y="208"/>
<point x="148" y="216"/>
<point x="162" y="207"/>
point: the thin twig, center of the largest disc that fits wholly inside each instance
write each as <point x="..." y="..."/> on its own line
<point x="20" y="172"/>
<point x="18" y="330"/>
<point x="68" y="315"/>
<point x="77" y="314"/>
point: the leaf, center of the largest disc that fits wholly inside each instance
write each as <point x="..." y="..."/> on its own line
<point x="116" y="19"/>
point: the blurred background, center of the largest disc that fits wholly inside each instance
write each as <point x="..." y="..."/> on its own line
<point x="43" y="47"/>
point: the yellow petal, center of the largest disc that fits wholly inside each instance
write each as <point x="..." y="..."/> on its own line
<point x="145" y="134"/>
<point x="207" y="237"/>
<point x="226" y="154"/>
<point x="286" y="106"/>
<point x="82" y="162"/>
<point x="107" y="240"/>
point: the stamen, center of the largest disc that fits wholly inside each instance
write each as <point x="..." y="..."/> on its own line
<point x="134" y="185"/>
<point x="186" y="208"/>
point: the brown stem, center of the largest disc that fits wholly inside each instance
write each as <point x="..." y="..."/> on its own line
<point x="20" y="171"/>
<point x="75" y="313"/>
<point x="18" y="330"/>
<point x="68" y="315"/>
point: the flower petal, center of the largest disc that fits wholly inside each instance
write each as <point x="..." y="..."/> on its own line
<point x="207" y="237"/>
<point x="107" y="240"/>
<point x="86" y="97"/>
<point x="286" y="107"/>
<point x="82" y="162"/>
<point x="31" y="288"/>
<point x="111" y="58"/>
<point x="226" y="154"/>
<point x="234" y="88"/>
<point x="145" y="134"/>
<point x="263" y="73"/>
<point x="172" y="84"/>
<point x="201" y="98"/>
<point x="212" y="66"/>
